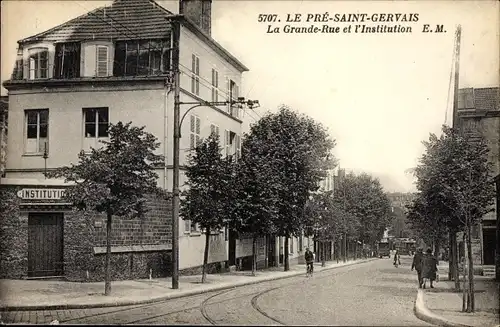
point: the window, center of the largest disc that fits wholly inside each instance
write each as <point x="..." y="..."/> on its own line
<point x="215" y="85"/>
<point x="38" y="63"/>
<point x="301" y="245"/>
<point x="67" y="60"/>
<point x="141" y="58"/>
<point x="214" y="129"/>
<point x="37" y="130"/>
<point x="190" y="227"/>
<point x="96" y="122"/>
<point x="102" y="61"/>
<point x="195" y="75"/>
<point x="291" y="244"/>
<point x="194" y="135"/>
<point x="17" y="74"/>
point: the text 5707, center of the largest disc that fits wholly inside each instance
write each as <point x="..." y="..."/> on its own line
<point x="270" y="18"/>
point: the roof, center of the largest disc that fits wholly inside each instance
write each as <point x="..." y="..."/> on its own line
<point x="125" y="20"/>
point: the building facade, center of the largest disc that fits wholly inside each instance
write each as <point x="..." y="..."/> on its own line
<point x="479" y="114"/>
<point x="68" y="85"/>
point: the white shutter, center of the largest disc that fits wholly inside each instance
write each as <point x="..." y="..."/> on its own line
<point x="228" y="95"/>
<point x="187" y="225"/>
<point x="102" y="61"/>
<point x="226" y="142"/>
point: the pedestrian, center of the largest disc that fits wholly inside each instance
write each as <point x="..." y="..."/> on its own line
<point x="397" y="260"/>
<point x="429" y="268"/>
<point x="309" y="257"/>
<point x="417" y="265"/>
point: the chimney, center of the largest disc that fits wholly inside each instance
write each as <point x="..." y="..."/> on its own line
<point x="199" y="12"/>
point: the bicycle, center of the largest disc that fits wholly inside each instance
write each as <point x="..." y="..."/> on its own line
<point x="309" y="269"/>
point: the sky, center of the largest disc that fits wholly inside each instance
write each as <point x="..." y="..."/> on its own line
<point x="379" y="94"/>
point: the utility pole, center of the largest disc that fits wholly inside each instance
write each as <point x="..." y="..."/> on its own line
<point x="345" y="212"/>
<point x="453" y="265"/>
<point x="176" y="30"/>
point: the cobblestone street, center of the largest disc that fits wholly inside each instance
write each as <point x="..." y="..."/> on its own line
<point x="372" y="293"/>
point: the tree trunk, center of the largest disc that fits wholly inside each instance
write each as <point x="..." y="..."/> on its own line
<point x="465" y="294"/>
<point x="437" y="248"/>
<point x="285" y="254"/>
<point x="470" y="306"/>
<point x="107" y="267"/>
<point x="450" y="256"/>
<point x="454" y="260"/>
<point x="205" y="255"/>
<point x="345" y="246"/>
<point x="254" y="254"/>
<point x="323" y="254"/>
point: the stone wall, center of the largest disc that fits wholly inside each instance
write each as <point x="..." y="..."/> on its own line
<point x="13" y="237"/>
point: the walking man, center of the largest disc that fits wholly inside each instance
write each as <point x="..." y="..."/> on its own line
<point x="417" y="265"/>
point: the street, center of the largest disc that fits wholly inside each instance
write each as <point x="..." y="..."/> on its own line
<point x="372" y="293"/>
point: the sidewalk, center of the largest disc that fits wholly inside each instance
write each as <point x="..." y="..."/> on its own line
<point x="443" y="305"/>
<point x="45" y="295"/>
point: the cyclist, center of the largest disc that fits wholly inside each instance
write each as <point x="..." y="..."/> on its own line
<point x="309" y="257"/>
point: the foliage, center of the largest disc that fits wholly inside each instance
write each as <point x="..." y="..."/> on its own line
<point x="114" y="179"/>
<point x="368" y="206"/>
<point x="296" y="151"/>
<point x="206" y="197"/>
<point x="454" y="179"/>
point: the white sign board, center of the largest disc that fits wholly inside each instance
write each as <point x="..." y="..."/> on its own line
<point x="41" y="193"/>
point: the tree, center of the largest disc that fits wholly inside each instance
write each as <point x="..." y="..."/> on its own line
<point x="365" y="199"/>
<point x="455" y="177"/>
<point x="297" y="151"/>
<point x="114" y="179"/>
<point x="254" y="204"/>
<point x="325" y="218"/>
<point x="206" y="198"/>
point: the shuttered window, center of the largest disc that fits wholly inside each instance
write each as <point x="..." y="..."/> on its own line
<point x="194" y="137"/>
<point x="102" y="61"/>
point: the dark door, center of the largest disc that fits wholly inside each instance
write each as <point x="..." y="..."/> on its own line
<point x="45" y="244"/>
<point x="489" y="246"/>
<point x="271" y="251"/>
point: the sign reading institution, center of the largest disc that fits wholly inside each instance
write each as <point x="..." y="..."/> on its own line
<point x="41" y="194"/>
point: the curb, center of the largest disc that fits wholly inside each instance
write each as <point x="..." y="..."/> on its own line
<point x="423" y="313"/>
<point x="171" y="296"/>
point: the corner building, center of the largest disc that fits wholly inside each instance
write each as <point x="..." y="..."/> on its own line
<point x="111" y="64"/>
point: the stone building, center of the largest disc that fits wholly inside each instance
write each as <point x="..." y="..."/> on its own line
<point x="111" y="64"/>
<point x="479" y="114"/>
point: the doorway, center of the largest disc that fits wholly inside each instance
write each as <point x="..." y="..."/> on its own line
<point x="45" y="244"/>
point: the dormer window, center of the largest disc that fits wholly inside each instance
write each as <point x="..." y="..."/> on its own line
<point x="38" y="63"/>
<point x="141" y="58"/>
<point x="67" y="60"/>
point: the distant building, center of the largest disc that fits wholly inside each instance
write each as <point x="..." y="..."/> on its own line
<point x="479" y="114"/>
